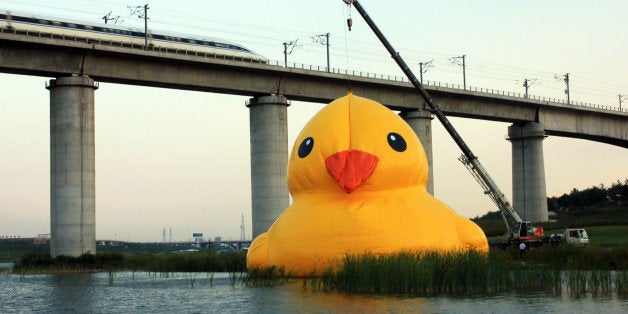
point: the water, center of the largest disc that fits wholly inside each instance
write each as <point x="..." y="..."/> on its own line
<point x="6" y="265"/>
<point x="203" y="292"/>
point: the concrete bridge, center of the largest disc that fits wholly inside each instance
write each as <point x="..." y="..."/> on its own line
<point x="79" y="63"/>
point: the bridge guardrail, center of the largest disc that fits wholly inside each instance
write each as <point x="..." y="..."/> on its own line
<point x="310" y="67"/>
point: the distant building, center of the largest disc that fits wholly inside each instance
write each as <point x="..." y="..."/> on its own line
<point x="42" y="239"/>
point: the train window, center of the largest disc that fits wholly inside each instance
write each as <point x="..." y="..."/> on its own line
<point x="45" y="22"/>
<point x="89" y="27"/>
<point x="56" y="22"/>
<point x="71" y="25"/>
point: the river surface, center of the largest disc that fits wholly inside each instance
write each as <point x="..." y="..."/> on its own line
<point x="124" y="292"/>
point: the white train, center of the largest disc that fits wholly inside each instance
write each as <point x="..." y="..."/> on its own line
<point x="97" y="32"/>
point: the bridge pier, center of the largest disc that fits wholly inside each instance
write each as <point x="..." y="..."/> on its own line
<point x="268" y="116"/>
<point x="528" y="171"/>
<point x="421" y="122"/>
<point x="72" y="166"/>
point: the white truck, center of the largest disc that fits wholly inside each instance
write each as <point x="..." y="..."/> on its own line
<point x="577" y="236"/>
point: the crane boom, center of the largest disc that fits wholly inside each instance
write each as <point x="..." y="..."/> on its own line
<point x="468" y="158"/>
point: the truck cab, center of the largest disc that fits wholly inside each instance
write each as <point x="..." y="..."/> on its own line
<point x="576" y="236"/>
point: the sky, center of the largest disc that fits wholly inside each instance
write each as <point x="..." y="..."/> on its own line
<point x="180" y="160"/>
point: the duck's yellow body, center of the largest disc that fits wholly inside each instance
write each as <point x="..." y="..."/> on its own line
<point x="357" y="175"/>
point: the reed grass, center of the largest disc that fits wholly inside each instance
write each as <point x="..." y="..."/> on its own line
<point x="419" y="273"/>
<point x="162" y="263"/>
<point x="267" y="277"/>
<point x="457" y="273"/>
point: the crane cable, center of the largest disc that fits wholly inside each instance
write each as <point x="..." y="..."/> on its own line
<point x="349" y="18"/>
<point x="349" y="24"/>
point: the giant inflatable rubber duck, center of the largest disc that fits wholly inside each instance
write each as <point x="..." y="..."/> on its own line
<point x="358" y="176"/>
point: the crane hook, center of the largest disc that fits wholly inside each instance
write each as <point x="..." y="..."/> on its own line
<point x="349" y="19"/>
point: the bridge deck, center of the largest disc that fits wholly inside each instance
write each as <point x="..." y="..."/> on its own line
<point x="42" y="55"/>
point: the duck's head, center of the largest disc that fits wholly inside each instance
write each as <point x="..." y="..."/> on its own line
<point x="356" y="145"/>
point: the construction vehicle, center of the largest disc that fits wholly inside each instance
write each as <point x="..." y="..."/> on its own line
<point x="576" y="236"/>
<point x="522" y="231"/>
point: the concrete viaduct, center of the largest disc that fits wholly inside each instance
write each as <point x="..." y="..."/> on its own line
<point x="79" y="63"/>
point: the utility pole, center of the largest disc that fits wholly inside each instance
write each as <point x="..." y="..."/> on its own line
<point x="136" y="10"/>
<point x="327" y="43"/>
<point x="527" y="83"/>
<point x="621" y="99"/>
<point x="319" y="39"/>
<point x="292" y="45"/>
<point x="565" y="79"/>
<point x="454" y="60"/>
<point x="146" y="26"/>
<point x="567" y="88"/>
<point x="424" y="69"/>
<point x="242" y="234"/>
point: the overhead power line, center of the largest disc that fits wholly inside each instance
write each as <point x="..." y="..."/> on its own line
<point x="456" y="60"/>
<point x="423" y="67"/>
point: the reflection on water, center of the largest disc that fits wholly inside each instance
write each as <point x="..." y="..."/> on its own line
<point x="206" y="292"/>
<point x="6" y="265"/>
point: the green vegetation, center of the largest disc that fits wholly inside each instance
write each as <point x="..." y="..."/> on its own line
<point x="169" y="262"/>
<point x="12" y="249"/>
<point x="580" y="269"/>
<point x="265" y="277"/>
<point x="422" y="273"/>
<point x="188" y="262"/>
<point x="586" y="203"/>
<point x="595" y="206"/>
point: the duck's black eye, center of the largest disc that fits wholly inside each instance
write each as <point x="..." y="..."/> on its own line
<point x="306" y="147"/>
<point x="396" y="142"/>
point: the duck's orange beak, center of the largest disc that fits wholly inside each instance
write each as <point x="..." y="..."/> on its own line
<point x="350" y="168"/>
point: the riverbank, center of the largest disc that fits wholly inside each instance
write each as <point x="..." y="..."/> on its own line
<point x="580" y="270"/>
<point x="39" y="263"/>
<point x="559" y="257"/>
<point x="429" y="273"/>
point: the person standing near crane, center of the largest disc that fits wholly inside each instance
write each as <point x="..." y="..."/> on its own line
<point x="522" y="248"/>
